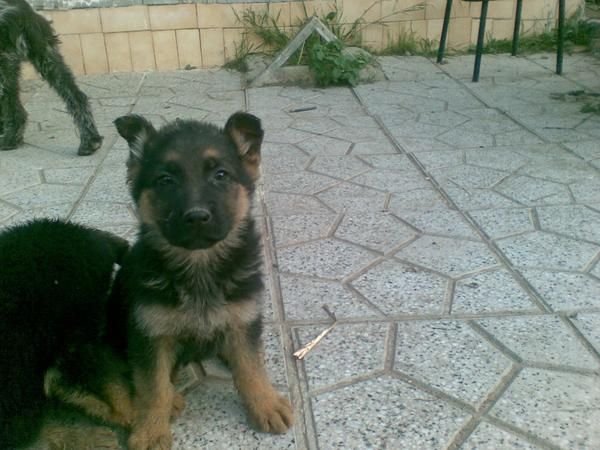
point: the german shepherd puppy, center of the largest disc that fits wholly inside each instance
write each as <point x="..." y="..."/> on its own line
<point x="55" y="279"/>
<point x="189" y="285"/>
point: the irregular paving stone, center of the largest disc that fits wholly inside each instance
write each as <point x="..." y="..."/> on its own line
<point x="392" y="181"/>
<point x="451" y="357"/>
<point x="586" y="191"/>
<point x="16" y="178"/>
<point x="487" y="292"/>
<point x="489" y="437"/>
<point x="517" y="137"/>
<point x="338" y="166"/>
<point x="389" y="162"/>
<point x="416" y="199"/>
<point x="565" y="290"/>
<point x="301" y="228"/>
<point x="53" y="211"/>
<point x="322" y="145"/>
<point x="559" y="407"/>
<point x="561" y="170"/>
<point x="389" y="413"/>
<point x="439" y="221"/>
<point x="497" y="223"/>
<point x="469" y="177"/>
<point x="575" y="220"/>
<point x="465" y="139"/>
<point x="539" y="249"/>
<point x="42" y="195"/>
<point x="540" y="339"/>
<point x="6" y="211"/>
<point x="378" y="231"/>
<point x="421" y="144"/>
<point x="470" y="199"/>
<point x="498" y="158"/>
<point x="397" y="288"/>
<point x="328" y="258"/>
<point x="441" y="158"/>
<point x="347" y="197"/>
<point x="68" y="175"/>
<point x="302" y="182"/>
<point x="293" y="204"/>
<point x="214" y="418"/>
<point x="109" y="185"/>
<point x="274" y="356"/>
<point x="589" y="325"/>
<point x="303" y="298"/>
<point x="532" y="192"/>
<point x="452" y="257"/>
<point x="102" y="213"/>
<point x="449" y="119"/>
<point x="348" y="352"/>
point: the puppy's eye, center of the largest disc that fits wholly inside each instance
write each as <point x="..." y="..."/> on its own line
<point x="221" y="174"/>
<point x="165" y="180"/>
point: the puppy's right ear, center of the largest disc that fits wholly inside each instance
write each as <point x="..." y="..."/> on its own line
<point x="136" y="131"/>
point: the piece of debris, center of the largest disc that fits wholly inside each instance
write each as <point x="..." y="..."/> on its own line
<point x="306" y="108"/>
<point x="301" y="353"/>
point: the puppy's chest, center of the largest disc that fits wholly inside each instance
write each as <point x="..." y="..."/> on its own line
<point x="201" y="311"/>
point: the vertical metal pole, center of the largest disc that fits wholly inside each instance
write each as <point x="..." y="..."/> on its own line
<point x="480" y="37"/>
<point x="515" y="42"/>
<point x="561" y="36"/>
<point x="440" y="55"/>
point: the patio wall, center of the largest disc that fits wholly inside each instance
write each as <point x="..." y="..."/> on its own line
<point x="139" y="37"/>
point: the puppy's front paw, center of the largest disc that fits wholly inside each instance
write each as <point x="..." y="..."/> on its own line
<point x="273" y="414"/>
<point x="151" y="436"/>
<point x="178" y="405"/>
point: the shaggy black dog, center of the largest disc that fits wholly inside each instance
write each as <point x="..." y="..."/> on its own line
<point x="27" y="36"/>
<point x="55" y="278"/>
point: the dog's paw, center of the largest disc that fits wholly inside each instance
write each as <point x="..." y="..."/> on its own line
<point x="151" y="436"/>
<point x="178" y="405"/>
<point x="272" y="415"/>
<point x="89" y="146"/>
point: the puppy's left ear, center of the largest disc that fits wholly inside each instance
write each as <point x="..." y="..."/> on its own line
<point x="247" y="134"/>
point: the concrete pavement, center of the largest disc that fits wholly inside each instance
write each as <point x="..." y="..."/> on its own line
<point x="452" y="227"/>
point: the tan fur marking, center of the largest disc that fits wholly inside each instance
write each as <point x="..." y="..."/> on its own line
<point x="268" y="411"/>
<point x="154" y="400"/>
<point x="145" y="208"/>
<point x="59" y="436"/>
<point x="210" y="153"/>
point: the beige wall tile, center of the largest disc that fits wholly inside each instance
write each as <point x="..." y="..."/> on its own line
<point x="188" y="48"/>
<point x="142" y="51"/>
<point x="501" y="10"/>
<point x="434" y="29"/>
<point x="539" y="9"/>
<point x="94" y="53"/>
<point x="70" y="49"/>
<point x="367" y="10"/>
<point x="459" y="32"/>
<point x="28" y="72"/>
<point x="76" y="21"/>
<point x="231" y="39"/>
<point x="172" y="17"/>
<point x="502" y="28"/>
<point x="218" y="15"/>
<point x="130" y="18"/>
<point x="212" y="48"/>
<point x="280" y="11"/>
<point x="393" y="31"/>
<point x="475" y="30"/>
<point x="419" y="28"/>
<point x="372" y="37"/>
<point x="118" y="52"/>
<point x="165" y="50"/>
<point x="394" y="10"/>
<point x="437" y="9"/>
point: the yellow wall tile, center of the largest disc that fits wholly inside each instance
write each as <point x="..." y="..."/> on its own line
<point x="142" y="51"/>
<point x="130" y="18"/>
<point x="188" y="48"/>
<point x="393" y="31"/>
<point x="70" y="49"/>
<point x="459" y="32"/>
<point x="394" y="10"/>
<point x="539" y="9"/>
<point x="501" y="10"/>
<point x="218" y="15"/>
<point x="372" y="37"/>
<point x="94" y="53"/>
<point x="212" y="47"/>
<point x="503" y="28"/>
<point x="419" y="28"/>
<point x="172" y="17"/>
<point x="76" y="21"/>
<point x="231" y="39"/>
<point x="165" y="50"/>
<point x="281" y="12"/>
<point x="367" y="10"/>
<point x="434" y="29"/>
<point x="28" y="72"/>
<point x="118" y="52"/>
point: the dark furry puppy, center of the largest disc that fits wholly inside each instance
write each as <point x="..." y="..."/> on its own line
<point x="27" y="36"/>
<point x="54" y="284"/>
<point x="190" y="283"/>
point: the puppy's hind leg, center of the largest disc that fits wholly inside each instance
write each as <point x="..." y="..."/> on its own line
<point x="52" y="68"/>
<point x="12" y="114"/>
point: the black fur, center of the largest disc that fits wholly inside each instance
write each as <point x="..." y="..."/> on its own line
<point x="54" y="282"/>
<point x="27" y="36"/>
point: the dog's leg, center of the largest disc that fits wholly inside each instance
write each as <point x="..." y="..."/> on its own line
<point x="242" y="350"/>
<point x="12" y="114"/>
<point x="52" y="68"/>
<point x="154" y="395"/>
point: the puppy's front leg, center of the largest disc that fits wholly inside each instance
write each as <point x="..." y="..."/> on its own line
<point x="154" y="395"/>
<point x="242" y="349"/>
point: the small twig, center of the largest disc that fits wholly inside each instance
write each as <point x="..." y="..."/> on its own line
<point x="301" y="353"/>
<point x="306" y="108"/>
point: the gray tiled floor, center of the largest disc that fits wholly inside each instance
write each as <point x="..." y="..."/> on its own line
<point x="454" y="229"/>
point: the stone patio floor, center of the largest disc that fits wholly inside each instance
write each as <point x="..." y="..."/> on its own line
<point x="453" y="228"/>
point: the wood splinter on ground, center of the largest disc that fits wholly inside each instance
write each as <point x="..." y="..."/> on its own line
<point x="301" y="353"/>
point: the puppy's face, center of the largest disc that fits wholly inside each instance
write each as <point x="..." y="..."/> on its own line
<point x="191" y="181"/>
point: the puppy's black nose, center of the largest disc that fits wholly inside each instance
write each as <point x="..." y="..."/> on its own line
<point x="197" y="216"/>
